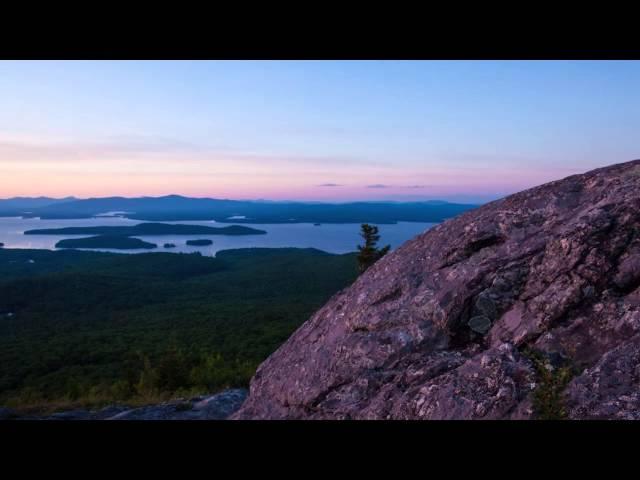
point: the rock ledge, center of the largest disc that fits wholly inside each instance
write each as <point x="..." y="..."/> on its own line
<point x="441" y="328"/>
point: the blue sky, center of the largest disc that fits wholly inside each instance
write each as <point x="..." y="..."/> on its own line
<point x="463" y="130"/>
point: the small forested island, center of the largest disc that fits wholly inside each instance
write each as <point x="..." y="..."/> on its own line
<point x="169" y="245"/>
<point x="149" y="229"/>
<point x="198" y="243"/>
<point x="117" y="242"/>
<point x="1" y="244"/>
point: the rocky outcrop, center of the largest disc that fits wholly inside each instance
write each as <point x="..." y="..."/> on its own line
<point x="527" y="307"/>
<point x="214" y="407"/>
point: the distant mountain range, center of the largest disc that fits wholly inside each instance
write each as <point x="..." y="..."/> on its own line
<point x="22" y="203"/>
<point x="149" y="229"/>
<point x="176" y="208"/>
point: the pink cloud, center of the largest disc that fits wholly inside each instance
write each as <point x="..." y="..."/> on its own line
<point x="134" y="166"/>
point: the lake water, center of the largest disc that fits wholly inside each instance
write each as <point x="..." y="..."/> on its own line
<point x="333" y="238"/>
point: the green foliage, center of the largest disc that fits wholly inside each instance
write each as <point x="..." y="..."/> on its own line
<point x="147" y="386"/>
<point x="94" y="328"/>
<point x="551" y="381"/>
<point x="369" y="253"/>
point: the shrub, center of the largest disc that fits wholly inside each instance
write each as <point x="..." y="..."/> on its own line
<point x="551" y="381"/>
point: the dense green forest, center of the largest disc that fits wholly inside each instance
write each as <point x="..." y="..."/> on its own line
<point x="90" y="328"/>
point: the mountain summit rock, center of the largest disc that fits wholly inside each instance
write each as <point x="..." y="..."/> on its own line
<point x="527" y="307"/>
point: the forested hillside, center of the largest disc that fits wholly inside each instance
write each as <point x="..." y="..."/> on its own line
<point x="91" y="328"/>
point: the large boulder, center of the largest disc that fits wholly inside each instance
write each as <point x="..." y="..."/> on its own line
<point x="526" y="307"/>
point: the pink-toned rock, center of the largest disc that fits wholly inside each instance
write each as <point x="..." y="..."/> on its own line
<point x="555" y="269"/>
<point x="611" y="388"/>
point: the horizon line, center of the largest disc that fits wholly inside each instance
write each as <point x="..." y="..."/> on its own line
<point x="292" y="200"/>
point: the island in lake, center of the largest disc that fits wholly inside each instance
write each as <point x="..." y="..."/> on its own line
<point x="198" y="243"/>
<point x="169" y="245"/>
<point x="116" y="242"/>
<point x="149" y="229"/>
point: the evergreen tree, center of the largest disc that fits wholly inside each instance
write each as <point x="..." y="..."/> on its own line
<point x="369" y="253"/>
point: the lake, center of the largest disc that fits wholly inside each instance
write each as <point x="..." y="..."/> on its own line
<point x="333" y="238"/>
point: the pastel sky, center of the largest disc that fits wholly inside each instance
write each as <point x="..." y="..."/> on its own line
<point x="312" y="130"/>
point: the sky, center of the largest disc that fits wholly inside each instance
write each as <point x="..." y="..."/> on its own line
<point x="311" y="130"/>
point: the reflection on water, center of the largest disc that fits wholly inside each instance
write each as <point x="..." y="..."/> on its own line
<point x="333" y="238"/>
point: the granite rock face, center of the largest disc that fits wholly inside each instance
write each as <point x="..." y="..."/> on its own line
<point x="443" y="327"/>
